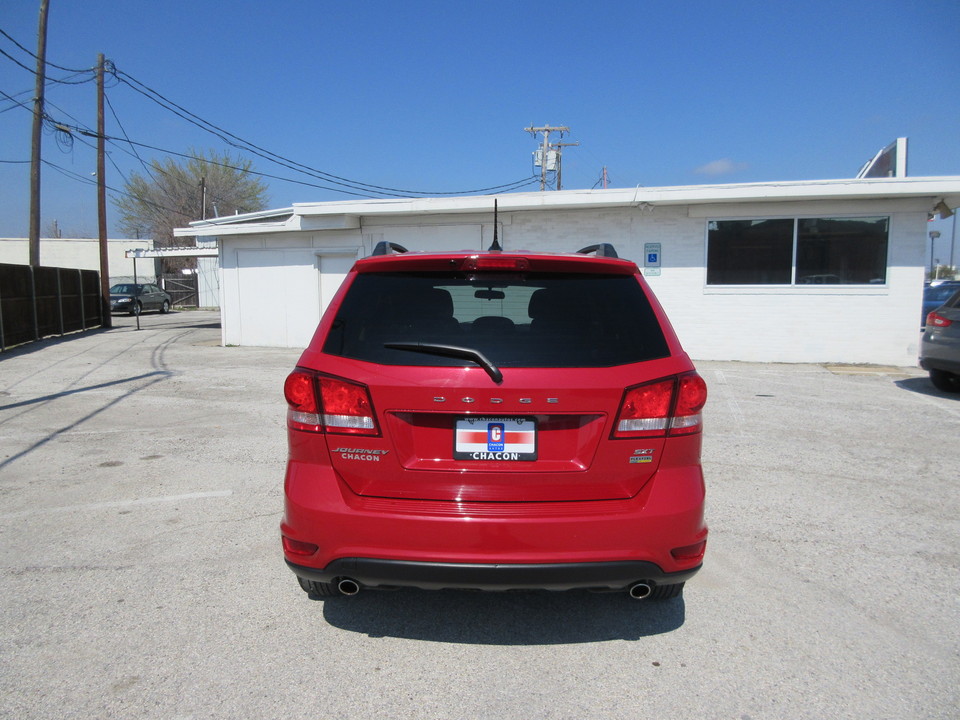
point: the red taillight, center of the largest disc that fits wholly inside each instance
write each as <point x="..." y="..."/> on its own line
<point x="664" y="407"/>
<point x="936" y="320"/>
<point x="691" y="397"/>
<point x="645" y="410"/>
<point x="347" y="407"/>
<point x="342" y="406"/>
<point x="300" y="390"/>
<point x="495" y="262"/>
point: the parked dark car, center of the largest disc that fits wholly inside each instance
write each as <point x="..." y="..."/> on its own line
<point x="496" y="421"/>
<point x="936" y="295"/>
<point x="940" y="345"/>
<point x="134" y="299"/>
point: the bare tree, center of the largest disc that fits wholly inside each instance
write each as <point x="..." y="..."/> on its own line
<point x="173" y="193"/>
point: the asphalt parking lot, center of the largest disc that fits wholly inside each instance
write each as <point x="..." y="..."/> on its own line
<point x="140" y="477"/>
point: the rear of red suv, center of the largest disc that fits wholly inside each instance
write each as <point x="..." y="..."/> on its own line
<point x="494" y="421"/>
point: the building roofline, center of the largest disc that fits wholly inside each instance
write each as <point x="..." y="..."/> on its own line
<point x="346" y="214"/>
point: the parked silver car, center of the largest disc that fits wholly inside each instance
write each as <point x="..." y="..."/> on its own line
<point x="940" y="345"/>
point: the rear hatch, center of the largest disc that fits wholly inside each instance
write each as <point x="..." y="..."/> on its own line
<point x="499" y="382"/>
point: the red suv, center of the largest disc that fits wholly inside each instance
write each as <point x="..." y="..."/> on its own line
<point x="495" y="420"/>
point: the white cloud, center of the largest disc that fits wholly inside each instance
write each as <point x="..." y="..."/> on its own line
<point x="720" y="167"/>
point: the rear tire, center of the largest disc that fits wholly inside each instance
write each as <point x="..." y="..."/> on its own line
<point x="165" y="308"/>
<point x="316" y="588"/>
<point x="666" y="592"/>
<point x="946" y="381"/>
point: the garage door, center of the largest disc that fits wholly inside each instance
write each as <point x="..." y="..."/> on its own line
<point x="283" y="292"/>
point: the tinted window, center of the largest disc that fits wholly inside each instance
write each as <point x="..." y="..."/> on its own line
<point x="749" y="252"/>
<point x="821" y="251"/>
<point x="528" y="320"/>
<point x="847" y="251"/>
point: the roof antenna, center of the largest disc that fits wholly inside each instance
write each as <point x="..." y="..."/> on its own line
<point x="495" y="246"/>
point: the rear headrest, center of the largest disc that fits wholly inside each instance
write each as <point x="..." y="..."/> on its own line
<point x="429" y="302"/>
<point x="492" y="324"/>
<point x="547" y="303"/>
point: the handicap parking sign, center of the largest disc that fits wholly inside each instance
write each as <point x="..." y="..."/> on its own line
<point x="652" y="253"/>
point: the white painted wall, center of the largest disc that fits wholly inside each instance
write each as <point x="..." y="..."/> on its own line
<point x="275" y="286"/>
<point x="81" y="253"/>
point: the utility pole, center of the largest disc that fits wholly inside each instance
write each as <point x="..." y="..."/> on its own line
<point x="559" y="147"/>
<point x="105" y="319"/>
<point x="545" y="148"/>
<point x="38" y="113"/>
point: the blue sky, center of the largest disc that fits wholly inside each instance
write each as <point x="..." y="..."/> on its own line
<point x="433" y="96"/>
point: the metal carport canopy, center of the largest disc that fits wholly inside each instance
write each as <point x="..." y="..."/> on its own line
<point x="172" y="252"/>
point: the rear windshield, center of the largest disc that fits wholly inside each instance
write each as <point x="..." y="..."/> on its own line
<point x="515" y="320"/>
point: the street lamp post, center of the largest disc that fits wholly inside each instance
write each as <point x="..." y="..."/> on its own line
<point x="953" y="239"/>
<point x="934" y="234"/>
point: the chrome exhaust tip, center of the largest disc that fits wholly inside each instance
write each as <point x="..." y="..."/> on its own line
<point x="640" y="590"/>
<point x="348" y="586"/>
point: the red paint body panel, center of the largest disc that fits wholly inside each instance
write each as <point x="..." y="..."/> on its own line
<point x="407" y="493"/>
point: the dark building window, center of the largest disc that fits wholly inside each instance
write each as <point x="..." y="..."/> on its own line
<point x="842" y="251"/>
<point x="808" y="251"/>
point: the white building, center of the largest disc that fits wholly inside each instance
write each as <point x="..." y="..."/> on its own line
<point x="813" y="271"/>
<point x="82" y="254"/>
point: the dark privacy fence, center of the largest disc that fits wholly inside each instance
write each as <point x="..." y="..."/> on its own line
<point x="36" y="302"/>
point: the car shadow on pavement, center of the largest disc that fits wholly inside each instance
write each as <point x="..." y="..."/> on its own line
<point x="172" y="319"/>
<point x="507" y="618"/>
<point x="923" y="386"/>
<point x="196" y="325"/>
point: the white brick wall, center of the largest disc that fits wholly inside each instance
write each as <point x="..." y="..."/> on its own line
<point x="869" y="324"/>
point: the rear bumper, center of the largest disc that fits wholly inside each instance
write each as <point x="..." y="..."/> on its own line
<point x="938" y="352"/>
<point x="602" y="544"/>
<point x="938" y="363"/>
<point x="370" y="572"/>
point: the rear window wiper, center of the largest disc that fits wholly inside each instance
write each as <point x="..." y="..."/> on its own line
<point x="452" y="351"/>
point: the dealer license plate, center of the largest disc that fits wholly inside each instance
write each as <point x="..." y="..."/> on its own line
<point x="496" y="438"/>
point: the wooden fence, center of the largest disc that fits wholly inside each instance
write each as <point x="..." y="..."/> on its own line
<point x="36" y="302"/>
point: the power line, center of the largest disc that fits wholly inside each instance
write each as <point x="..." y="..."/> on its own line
<point x="355" y="187"/>
<point x="84" y="131"/>
<point x="342" y="184"/>
<point x="61" y="81"/>
<point x="226" y="136"/>
<point x="46" y="62"/>
<point x="87" y="181"/>
<point x="17" y="62"/>
<point x="135" y="153"/>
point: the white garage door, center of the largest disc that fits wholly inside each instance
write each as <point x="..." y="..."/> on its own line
<point x="283" y="293"/>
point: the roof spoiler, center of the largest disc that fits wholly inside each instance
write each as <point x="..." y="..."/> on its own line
<point x="388" y="248"/>
<point x="601" y="249"/>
